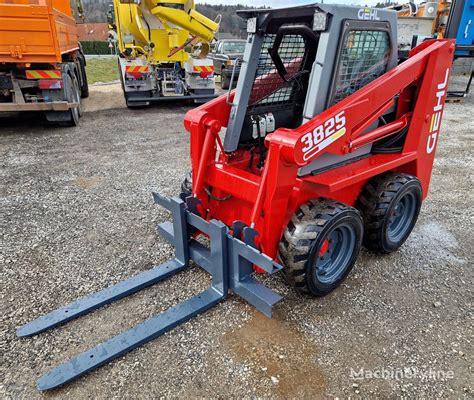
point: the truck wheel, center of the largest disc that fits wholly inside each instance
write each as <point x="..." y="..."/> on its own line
<point x="320" y="245"/>
<point x="225" y="81"/>
<point x="71" y="94"/>
<point x="187" y="185"/>
<point x="77" y="89"/>
<point x="85" y="85"/>
<point x="390" y="204"/>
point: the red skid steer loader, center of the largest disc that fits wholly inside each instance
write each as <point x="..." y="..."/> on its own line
<point x="325" y="144"/>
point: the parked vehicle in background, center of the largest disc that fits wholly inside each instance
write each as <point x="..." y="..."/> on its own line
<point x="42" y="66"/>
<point x="152" y="38"/>
<point x="224" y="55"/>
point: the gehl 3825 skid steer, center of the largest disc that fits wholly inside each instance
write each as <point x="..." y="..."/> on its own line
<point x="328" y="144"/>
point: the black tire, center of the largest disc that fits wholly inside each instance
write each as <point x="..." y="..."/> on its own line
<point x="390" y="205"/>
<point x="187" y="185"/>
<point x="324" y="232"/>
<point x="225" y="80"/>
<point x="73" y="94"/>
<point x="85" y="84"/>
<point x="77" y="88"/>
<point x="70" y="93"/>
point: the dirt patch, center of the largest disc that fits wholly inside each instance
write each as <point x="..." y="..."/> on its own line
<point x="279" y="354"/>
<point x="89" y="182"/>
<point x="104" y="97"/>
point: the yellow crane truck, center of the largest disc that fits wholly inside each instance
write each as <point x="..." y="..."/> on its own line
<point x="154" y="38"/>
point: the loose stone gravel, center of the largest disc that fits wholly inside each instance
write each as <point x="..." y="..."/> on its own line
<point x="77" y="216"/>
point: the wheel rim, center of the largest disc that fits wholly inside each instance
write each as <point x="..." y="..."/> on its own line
<point x="335" y="253"/>
<point x="401" y="217"/>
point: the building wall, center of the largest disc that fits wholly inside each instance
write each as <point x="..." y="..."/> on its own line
<point x="93" y="31"/>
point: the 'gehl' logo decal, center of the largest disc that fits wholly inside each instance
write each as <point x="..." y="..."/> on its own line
<point x="368" y="14"/>
<point x="437" y="113"/>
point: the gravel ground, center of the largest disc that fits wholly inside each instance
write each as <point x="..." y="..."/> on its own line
<point x="77" y="216"/>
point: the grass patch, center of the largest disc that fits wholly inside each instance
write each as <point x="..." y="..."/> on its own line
<point x="102" y="69"/>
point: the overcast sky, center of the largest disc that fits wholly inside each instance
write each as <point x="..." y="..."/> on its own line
<point x="285" y="3"/>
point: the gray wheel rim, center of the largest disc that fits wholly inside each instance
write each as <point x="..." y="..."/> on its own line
<point x="401" y="217"/>
<point x="331" y="265"/>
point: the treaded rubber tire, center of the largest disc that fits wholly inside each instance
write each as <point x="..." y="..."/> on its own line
<point x="70" y="93"/>
<point x="85" y="84"/>
<point x="304" y="236"/>
<point x="377" y="202"/>
<point x="187" y="185"/>
<point x="75" y="79"/>
<point x="73" y="95"/>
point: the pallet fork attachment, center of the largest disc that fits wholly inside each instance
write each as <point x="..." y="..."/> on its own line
<point x="229" y="260"/>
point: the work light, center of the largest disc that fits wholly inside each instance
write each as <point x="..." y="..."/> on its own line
<point x="252" y="25"/>
<point x="319" y="21"/>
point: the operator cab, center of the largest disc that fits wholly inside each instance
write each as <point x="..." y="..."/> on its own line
<point x="299" y="61"/>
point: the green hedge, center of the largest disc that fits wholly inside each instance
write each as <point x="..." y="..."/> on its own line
<point x="95" y="47"/>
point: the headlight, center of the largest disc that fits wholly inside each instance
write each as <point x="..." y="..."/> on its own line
<point x="319" y="21"/>
<point x="252" y="25"/>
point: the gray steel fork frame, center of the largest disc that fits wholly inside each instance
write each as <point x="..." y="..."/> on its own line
<point x="228" y="259"/>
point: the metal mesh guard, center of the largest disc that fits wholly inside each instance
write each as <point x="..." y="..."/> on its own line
<point x="364" y="58"/>
<point x="269" y="89"/>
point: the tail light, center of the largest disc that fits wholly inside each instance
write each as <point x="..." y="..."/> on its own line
<point x="134" y="75"/>
<point x="205" y="74"/>
<point x="50" y="84"/>
<point x="136" y="72"/>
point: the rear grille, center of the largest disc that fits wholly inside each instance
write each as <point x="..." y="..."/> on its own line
<point x="269" y="89"/>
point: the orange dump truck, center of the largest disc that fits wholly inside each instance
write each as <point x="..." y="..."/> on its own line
<point x="42" y="67"/>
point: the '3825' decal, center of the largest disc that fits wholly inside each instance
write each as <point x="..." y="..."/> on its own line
<point x="323" y="135"/>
